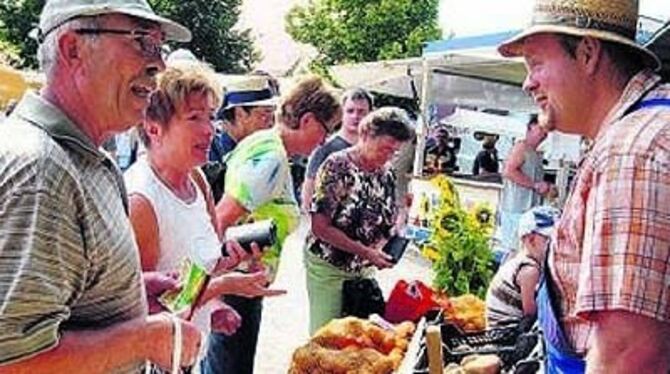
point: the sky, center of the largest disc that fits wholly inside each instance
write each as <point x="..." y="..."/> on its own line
<point x="472" y="17"/>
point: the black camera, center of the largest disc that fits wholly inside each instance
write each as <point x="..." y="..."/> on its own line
<point x="263" y="233"/>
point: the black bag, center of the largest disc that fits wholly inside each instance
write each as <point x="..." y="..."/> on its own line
<point x="362" y="297"/>
<point x="215" y="173"/>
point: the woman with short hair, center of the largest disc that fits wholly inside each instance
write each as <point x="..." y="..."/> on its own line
<point x="171" y="208"/>
<point x="353" y="212"/>
<point x="259" y="186"/>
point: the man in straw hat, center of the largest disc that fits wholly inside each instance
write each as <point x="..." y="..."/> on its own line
<point x="605" y="306"/>
<point x="71" y="293"/>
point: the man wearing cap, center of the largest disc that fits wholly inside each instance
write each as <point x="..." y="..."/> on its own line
<point x="439" y="154"/>
<point x="605" y="305"/>
<point x="486" y="161"/>
<point x="71" y="293"/>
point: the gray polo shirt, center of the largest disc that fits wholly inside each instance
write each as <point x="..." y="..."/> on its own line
<point x="68" y="258"/>
<point x="321" y="153"/>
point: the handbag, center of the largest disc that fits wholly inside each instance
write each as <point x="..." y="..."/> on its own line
<point x="362" y="297"/>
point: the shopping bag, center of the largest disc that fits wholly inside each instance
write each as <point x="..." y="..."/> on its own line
<point x="409" y="301"/>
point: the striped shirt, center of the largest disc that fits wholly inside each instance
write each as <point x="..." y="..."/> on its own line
<point x="503" y="298"/>
<point x="68" y="259"/>
<point x="611" y="250"/>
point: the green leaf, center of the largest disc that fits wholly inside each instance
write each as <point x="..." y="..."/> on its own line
<point x="466" y="262"/>
<point x="345" y="31"/>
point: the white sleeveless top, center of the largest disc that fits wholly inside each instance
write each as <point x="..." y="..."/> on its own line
<point x="182" y="227"/>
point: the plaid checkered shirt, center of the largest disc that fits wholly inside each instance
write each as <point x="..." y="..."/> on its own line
<point x="611" y="250"/>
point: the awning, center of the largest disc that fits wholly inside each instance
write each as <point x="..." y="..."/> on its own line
<point x="479" y="78"/>
<point x="12" y="85"/>
<point x="473" y="121"/>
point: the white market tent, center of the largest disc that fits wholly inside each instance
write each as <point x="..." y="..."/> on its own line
<point x="463" y="72"/>
<point x="472" y="76"/>
<point x="659" y="43"/>
<point x="474" y="121"/>
<point x="558" y="147"/>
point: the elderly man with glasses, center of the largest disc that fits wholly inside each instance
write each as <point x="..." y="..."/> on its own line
<point x="71" y="293"/>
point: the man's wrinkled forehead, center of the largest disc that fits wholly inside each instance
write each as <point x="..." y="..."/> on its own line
<point x="534" y="44"/>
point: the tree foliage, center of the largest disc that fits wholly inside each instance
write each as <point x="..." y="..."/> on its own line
<point x="212" y="22"/>
<point x="364" y="30"/>
<point x="215" y="40"/>
<point x="17" y="19"/>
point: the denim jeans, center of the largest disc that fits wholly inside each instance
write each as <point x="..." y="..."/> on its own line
<point x="235" y="354"/>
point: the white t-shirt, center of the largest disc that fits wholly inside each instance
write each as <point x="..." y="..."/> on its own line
<point x="184" y="229"/>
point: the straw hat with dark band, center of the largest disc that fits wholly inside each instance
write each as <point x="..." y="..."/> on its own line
<point x="607" y="20"/>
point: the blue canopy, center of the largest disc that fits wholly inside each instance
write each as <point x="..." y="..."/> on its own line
<point x="468" y="42"/>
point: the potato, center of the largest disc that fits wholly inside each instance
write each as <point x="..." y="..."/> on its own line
<point x="481" y="364"/>
<point x="453" y="369"/>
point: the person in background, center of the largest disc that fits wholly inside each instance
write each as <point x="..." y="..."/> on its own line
<point x="109" y="146"/>
<point x="353" y="212"/>
<point x="440" y="156"/>
<point x="127" y="144"/>
<point x="248" y="106"/>
<point x="486" y="161"/>
<point x="356" y="104"/>
<point x="510" y="299"/>
<point x="605" y="304"/>
<point x="259" y="186"/>
<point x="171" y="207"/>
<point x="71" y="291"/>
<point x="523" y="186"/>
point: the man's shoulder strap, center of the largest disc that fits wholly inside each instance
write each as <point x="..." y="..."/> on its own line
<point x="199" y="179"/>
<point x="649" y="103"/>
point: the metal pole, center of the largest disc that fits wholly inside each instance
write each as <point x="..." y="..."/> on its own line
<point x="421" y="124"/>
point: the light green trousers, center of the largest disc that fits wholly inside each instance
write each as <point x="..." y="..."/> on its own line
<point x="324" y="290"/>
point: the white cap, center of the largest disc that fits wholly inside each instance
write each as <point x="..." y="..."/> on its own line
<point x="58" y="12"/>
<point x="539" y="220"/>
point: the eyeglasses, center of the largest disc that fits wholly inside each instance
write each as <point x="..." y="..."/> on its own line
<point x="326" y="130"/>
<point x="151" y="43"/>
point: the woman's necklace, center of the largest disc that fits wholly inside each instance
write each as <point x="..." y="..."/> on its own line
<point x="186" y="194"/>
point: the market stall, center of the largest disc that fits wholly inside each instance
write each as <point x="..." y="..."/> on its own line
<point x="450" y="334"/>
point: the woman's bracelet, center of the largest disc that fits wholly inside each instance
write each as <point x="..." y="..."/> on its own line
<point x="176" y="344"/>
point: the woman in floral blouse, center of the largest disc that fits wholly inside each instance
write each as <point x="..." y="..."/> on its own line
<point x="353" y="212"/>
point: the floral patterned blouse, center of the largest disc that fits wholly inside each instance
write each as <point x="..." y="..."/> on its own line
<point x="359" y="203"/>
